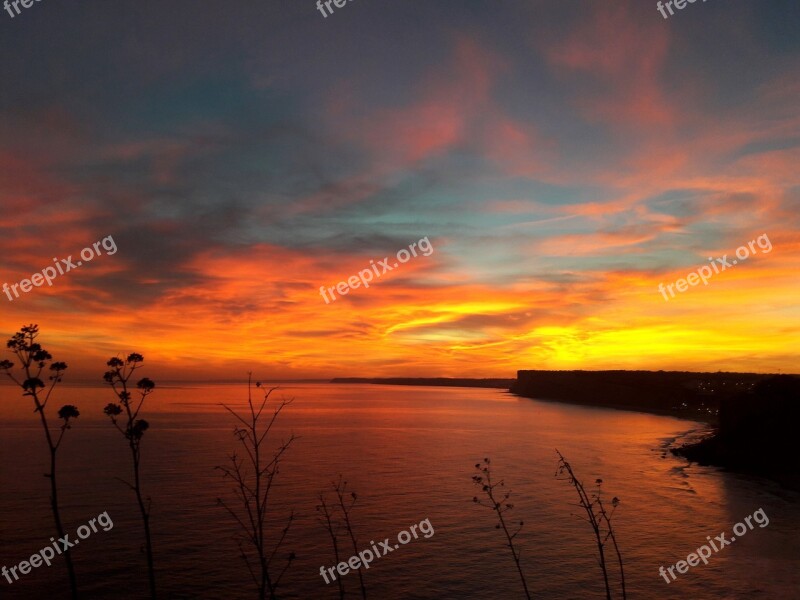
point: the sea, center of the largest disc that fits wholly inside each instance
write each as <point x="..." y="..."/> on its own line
<point x="409" y="454"/>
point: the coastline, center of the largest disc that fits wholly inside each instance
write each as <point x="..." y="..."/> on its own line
<point x="746" y="418"/>
<point x="708" y="419"/>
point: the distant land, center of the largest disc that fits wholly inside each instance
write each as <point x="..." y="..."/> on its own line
<point x="439" y="381"/>
<point x="693" y="395"/>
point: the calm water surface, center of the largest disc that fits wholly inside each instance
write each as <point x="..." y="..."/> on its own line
<point x="409" y="452"/>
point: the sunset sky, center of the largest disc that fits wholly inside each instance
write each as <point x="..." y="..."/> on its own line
<point x="564" y="158"/>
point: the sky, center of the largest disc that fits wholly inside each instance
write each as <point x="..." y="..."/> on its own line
<point x="563" y="159"/>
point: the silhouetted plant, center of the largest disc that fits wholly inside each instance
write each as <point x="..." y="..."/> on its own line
<point x="499" y="505"/>
<point x="346" y="503"/>
<point x="33" y="360"/>
<point x="332" y="527"/>
<point x="133" y="429"/>
<point x="597" y="517"/>
<point x="253" y="477"/>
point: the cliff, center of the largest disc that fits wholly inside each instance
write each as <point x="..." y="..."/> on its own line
<point x="756" y="432"/>
<point x="683" y="393"/>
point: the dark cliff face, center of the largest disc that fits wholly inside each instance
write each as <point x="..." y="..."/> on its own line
<point x="757" y="432"/>
<point x="767" y="418"/>
<point x="678" y="391"/>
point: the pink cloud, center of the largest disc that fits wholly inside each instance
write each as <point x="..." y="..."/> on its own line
<point x="628" y="56"/>
<point x="600" y="243"/>
<point x="453" y="107"/>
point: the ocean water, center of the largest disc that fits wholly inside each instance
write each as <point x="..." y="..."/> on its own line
<point x="409" y="452"/>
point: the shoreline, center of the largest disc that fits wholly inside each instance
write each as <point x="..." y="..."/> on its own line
<point x="707" y="419"/>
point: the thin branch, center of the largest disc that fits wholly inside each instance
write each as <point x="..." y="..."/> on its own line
<point x="499" y="506"/>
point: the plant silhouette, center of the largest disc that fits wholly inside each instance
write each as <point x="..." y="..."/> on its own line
<point x="346" y="501"/>
<point x="598" y="518"/>
<point x="498" y="502"/>
<point x="253" y="477"/>
<point x="132" y="428"/>
<point x="33" y="360"/>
